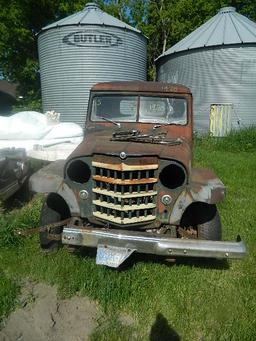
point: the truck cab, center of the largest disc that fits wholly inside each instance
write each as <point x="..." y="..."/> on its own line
<point x="130" y="185"/>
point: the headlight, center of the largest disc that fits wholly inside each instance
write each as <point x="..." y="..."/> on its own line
<point x="173" y="176"/>
<point x="78" y="171"/>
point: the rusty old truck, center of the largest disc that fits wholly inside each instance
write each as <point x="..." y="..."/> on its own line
<point x="130" y="185"/>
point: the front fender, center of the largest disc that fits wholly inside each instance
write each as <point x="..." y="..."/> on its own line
<point x="204" y="187"/>
<point x="68" y="195"/>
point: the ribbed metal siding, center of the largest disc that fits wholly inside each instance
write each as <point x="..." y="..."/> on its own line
<point x="216" y="75"/>
<point x="68" y="72"/>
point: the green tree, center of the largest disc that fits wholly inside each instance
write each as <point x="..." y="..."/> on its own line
<point x="20" y="22"/>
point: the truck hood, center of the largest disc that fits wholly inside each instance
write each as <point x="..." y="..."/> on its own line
<point x="104" y="145"/>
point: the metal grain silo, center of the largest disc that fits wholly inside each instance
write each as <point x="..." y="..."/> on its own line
<point x="83" y="49"/>
<point x="218" y="63"/>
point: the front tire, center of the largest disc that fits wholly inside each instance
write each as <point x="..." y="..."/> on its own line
<point x="211" y="229"/>
<point x="54" y="210"/>
<point x="204" y="219"/>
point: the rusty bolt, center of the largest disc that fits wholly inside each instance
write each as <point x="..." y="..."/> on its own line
<point x="166" y="199"/>
<point x="83" y="194"/>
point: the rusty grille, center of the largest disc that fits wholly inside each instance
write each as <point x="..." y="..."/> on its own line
<point x="124" y="194"/>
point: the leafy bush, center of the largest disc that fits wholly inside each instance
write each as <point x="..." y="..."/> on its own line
<point x="28" y="105"/>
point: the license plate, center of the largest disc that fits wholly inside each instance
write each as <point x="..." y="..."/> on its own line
<point x="112" y="256"/>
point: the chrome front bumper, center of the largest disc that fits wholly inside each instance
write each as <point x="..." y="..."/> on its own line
<point x="144" y="242"/>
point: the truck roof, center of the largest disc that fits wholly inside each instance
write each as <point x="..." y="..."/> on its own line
<point x="139" y="86"/>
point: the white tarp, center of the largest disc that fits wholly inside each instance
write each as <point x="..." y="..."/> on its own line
<point x="36" y="133"/>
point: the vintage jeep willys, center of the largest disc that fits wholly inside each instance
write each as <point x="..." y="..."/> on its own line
<point x="129" y="186"/>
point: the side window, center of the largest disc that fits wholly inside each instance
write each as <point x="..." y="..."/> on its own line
<point x="106" y="107"/>
<point x="152" y="108"/>
<point x="117" y="108"/>
<point x="165" y="110"/>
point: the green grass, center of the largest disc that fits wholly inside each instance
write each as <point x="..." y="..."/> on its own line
<point x="192" y="299"/>
<point x="237" y="141"/>
<point x="112" y="329"/>
<point x="8" y="294"/>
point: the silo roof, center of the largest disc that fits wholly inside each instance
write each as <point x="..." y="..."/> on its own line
<point x="91" y="15"/>
<point x="225" y="28"/>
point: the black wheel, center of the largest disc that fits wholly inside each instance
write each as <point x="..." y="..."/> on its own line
<point x="201" y="220"/>
<point x="54" y="210"/>
<point x="211" y="229"/>
<point x="48" y="216"/>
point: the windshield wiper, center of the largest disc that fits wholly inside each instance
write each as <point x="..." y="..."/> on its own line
<point x="127" y="133"/>
<point x="111" y="121"/>
<point x="156" y="126"/>
<point x="136" y="136"/>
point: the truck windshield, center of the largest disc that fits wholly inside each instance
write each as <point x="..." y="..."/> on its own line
<point x="147" y="109"/>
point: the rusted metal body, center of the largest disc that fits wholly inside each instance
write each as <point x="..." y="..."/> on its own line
<point x="137" y="176"/>
<point x="13" y="171"/>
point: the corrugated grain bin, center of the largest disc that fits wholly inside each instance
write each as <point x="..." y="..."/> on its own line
<point x="83" y="49"/>
<point x="218" y="63"/>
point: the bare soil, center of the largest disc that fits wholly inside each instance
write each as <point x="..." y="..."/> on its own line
<point x="45" y="317"/>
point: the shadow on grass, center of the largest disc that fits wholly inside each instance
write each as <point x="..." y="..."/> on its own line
<point x="204" y="263"/>
<point x="162" y="331"/>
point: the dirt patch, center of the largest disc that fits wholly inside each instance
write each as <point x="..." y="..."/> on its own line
<point x="44" y="317"/>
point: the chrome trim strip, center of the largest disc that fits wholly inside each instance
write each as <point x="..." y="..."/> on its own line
<point x="123" y="221"/>
<point x="123" y="166"/>
<point x="126" y="195"/>
<point x="124" y="208"/>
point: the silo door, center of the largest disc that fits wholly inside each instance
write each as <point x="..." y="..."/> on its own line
<point x="220" y="119"/>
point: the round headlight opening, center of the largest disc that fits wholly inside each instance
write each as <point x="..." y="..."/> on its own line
<point x="79" y="171"/>
<point x="172" y="176"/>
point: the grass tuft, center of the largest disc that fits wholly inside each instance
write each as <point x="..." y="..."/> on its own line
<point x="8" y="292"/>
<point x="243" y="140"/>
<point x="112" y="329"/>
<point x="25" y="218"/>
